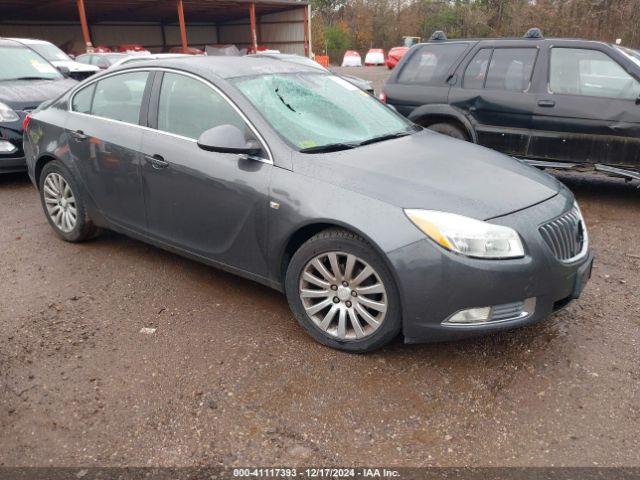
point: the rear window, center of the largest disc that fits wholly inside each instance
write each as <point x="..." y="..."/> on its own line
<point x="430" y="64"/>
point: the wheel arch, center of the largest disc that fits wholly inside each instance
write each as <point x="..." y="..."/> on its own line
<point x="304" y="232"/>
<point x="39" y="166"/>
<point x="430" y="114"/>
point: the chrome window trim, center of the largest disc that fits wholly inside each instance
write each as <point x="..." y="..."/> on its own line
<point x="246" y="120"/>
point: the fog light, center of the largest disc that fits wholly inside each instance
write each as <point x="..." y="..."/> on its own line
<point x="7" y="147"/>
<point x="472" y="315"/>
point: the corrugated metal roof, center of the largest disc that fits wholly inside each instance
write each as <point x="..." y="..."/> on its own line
<point x="138" y="10"/>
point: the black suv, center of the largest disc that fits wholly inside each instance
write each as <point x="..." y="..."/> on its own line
<point x="560" y="103"/>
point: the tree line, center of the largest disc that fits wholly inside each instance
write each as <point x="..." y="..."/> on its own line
<point x="339" y="25"/>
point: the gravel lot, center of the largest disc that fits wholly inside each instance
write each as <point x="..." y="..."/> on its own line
<point x="228" y="377"/>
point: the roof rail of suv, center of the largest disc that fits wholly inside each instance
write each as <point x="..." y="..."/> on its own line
<point x="534" y="33"/>
<point x="437" y="36"/>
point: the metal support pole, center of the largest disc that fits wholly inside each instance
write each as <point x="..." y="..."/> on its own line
<point x="254" y="33"/>
<point x="183" y="28"/>
<point x="84" y="24"/>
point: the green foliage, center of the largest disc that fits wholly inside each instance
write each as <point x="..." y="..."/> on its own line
<point x="337" y="39"/>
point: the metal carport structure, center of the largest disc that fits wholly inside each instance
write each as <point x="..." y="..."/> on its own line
<point x="161" y="24"/>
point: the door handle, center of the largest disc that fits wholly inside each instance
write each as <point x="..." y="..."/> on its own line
<point x="157" y="161"/>
<point x="547" y="103"/>
<point x="79" y="136"/>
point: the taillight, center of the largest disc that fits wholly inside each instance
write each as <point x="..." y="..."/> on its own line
<point x="25" y="122"/>
<point x="383" y="97"/>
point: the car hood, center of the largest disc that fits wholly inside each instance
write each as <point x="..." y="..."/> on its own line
<point x="75" y="66"/>
<point x="431" y="171"/>
<point x="28" y="94"/>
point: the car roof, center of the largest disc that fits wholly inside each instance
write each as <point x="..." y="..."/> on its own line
<point x="516" y="40"/>
<point x="224" y="66"/>
<point x="30" y="41"/>
<point x="10" y="42"/>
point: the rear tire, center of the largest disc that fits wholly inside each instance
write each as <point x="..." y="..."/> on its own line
<point x="63" y="203"/>
<point x="450" y="130"/>
<point x="361" y="309"/>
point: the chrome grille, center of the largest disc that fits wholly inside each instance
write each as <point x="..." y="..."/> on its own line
<point x="565" y="235"/>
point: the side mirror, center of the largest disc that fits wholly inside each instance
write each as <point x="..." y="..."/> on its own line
<point x="66" y="73"/>
<point x="227" y="139"/>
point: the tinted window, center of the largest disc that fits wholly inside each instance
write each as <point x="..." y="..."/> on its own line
<point x="576" y="71"/>
<point x="120" y="97"/>
<point x="476" y="71"/>
<point x="510" y="69"/>
<point x="188" y="107"/>
<point x="430" y="64"/>
<point x="82" y="99"/>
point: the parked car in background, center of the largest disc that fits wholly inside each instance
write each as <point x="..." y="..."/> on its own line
<point x="187" y="51"/>
<point x="561" y="103"/>
<point x="101" y="60"/>
<point x="26" y="80"/>
<point x="132" y="48"/>
<point x="58" y="58"/>
<point x="395" y="55"/>
<point x="294" y="178"/>
<point x="375" y="56"/>
<point x="361" y="83"/>
<point x="351" y="59"/>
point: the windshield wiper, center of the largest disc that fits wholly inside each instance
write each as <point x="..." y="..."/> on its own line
<point x="31" y="78"/>
<point x="330" y="147"/>
<point x="382" y="138"/>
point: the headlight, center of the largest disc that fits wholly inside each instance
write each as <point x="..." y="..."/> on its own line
<point x="7" y="114"/>
<point x="468" y="236"/>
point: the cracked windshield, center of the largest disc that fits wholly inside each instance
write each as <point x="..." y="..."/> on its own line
<point x="317" y="112"/>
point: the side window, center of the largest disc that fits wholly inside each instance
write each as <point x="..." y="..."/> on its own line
<point x="476" y="71"/>
<point x="120" y="97"/>
<point x="188" y="107"/>
<point x="510" y="69"/>
<point x="576" y="71"/>
<point x="82" y="100"/>
<point x="431" y="63"/>
<point x="83" y="58"/>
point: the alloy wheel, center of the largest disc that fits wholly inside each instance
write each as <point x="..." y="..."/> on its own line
<point x="60" y="202"/>
<point x="343" y="295"/>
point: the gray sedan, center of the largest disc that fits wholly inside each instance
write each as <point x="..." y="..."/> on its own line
<point x="297" y="179"/>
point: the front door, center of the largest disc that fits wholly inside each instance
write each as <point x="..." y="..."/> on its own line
<point x="110" y="109"/>
<point x="496" y="93"/>
<point x="211" y="204"/>
<point x="589" y="113"/>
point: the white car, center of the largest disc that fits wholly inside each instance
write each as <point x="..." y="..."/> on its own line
<point x="58" y="58"/>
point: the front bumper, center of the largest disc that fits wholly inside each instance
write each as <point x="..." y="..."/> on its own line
<point x="14" y="161"/>
<point x="434" y="284"/>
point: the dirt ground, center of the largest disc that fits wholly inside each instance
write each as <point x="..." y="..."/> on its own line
<point x="228" y="377"/>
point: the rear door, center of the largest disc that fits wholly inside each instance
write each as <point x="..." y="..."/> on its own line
<point x="104" y="137"/>
<point x="588" y="113"/>
<point x="211" y="204"/>
<point x="496" y="92"/>
<point x="422" y="78"/>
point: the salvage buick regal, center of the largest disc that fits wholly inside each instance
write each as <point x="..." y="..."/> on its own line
<point x="294" y="178"/>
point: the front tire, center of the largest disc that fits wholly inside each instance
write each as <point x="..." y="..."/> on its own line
<point x="342" y="293"/>
<point x="63" y="203"/>
<point x="450" y="130"/>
